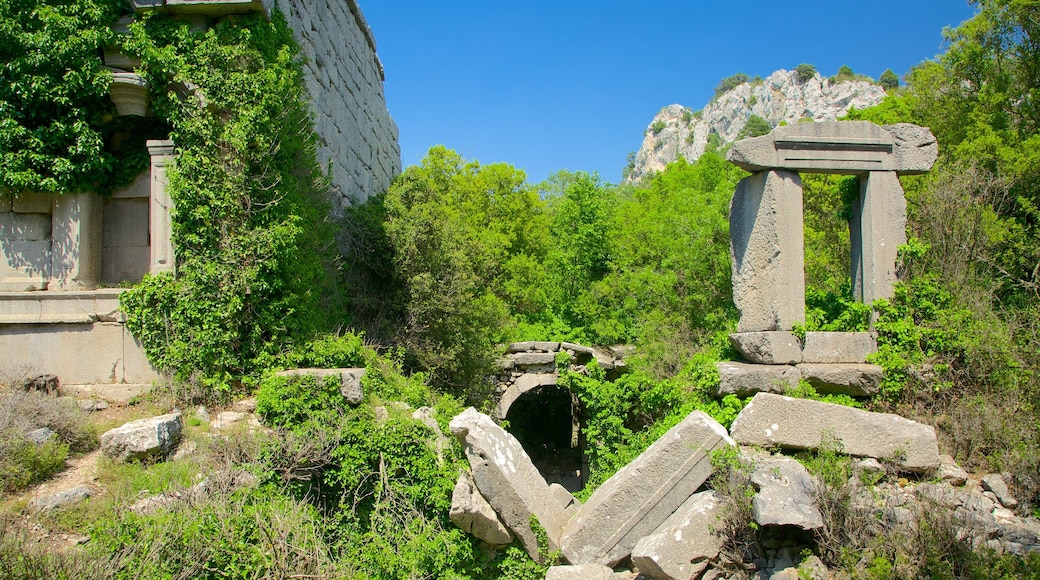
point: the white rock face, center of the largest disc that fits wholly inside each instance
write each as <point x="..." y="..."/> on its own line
<point x="144" y="438"/>
<point x="780" y="97"/>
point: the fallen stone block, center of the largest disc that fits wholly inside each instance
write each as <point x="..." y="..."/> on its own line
<point x="568" y="502"/>
<point x="534" y="359"/>
<point x="770" y="420"/>
<point x="474" y="515"/>
<point x="505" y="476"/>
<point x="683" y="546"/>
<point x="744" y="379"/>
<point x="350" y="380"/>
<point x="144" y="438"/>
<point x="950" y="472"/>
<point x="775" y="347"/>
<point x="581" y="572"/>
<point x="838" y="347"/>
<point x="857" y="380"/>
<point x="785" y="493"/>
<point x="60" y="499"/>
<point x="644" y="493"/>
<point x="995" y="483"/>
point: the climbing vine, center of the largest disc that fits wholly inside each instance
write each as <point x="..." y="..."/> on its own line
<point x="252" y="243"/>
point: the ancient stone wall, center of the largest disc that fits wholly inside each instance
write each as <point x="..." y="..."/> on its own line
<point x="344" y="78"/>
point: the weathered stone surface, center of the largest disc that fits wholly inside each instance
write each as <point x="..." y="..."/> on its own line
<point x="876" y="230"/>
<point x="533" y="346"/>
<point x="777" y="347"/>
<point x="505" y="476"/>
<point x="581" y="572"/>
<point x="785" y="493"/>
<point x="230" y="419"/>
<point x="916" y="149"/>
<point x="530" y="359"/>
<point x="770" y="420"/>
<point x="858" y="380"/>
<point x="767" y="251"/>
<point x="838" y="347"/>
<point x="92" y="405"/>
<point x="639" y="497"/>
<point x="144" y="438"/>
<point x="60" y="499"/>
<point x="995" y="482"/>
<point x="681" y="547"/>
<point x="950" y="472"/>
<point x="474" y="515"/>
<point x="350" y="386"/>
<point x="524" y="383"/>
<point x="568" y="502"/>
<point x="247" y="405"/>
<point x="744" y="379"/>
<point x="39" y="436"/>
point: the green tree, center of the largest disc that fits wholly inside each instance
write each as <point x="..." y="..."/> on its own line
<point x="729" y="83"/>
<point x="805" y="72"/>
<point x="755" y="127"/>
<point x="889" y="79"/>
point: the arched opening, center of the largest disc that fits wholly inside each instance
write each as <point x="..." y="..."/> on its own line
<point x="546" y="421"/>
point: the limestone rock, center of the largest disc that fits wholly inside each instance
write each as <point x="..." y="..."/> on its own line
<point x="777" y="347"/>
<point x="92" y="405"/>
<point x="682" y="546"/>
<point x="60" y="499"/>
<point x="767" y="251"/>
<point x="350" y="380"/>
<point x="245" y="405"/>
<point x="951" y="472"/>
<point x="474" y="515"/>
<point x="568" y="502"/>
<point x="857" y="380"/>
<point x="838" y="347"/>
<point x="744" y="379"/>
<point x="580" y="572"/>
<point x="505" y="476"/>
<point x="644" y="493"/>
<point x="995" y="482"/>
<point x="916" y="148"/>
<point x="227" y="419"/>
<point x="39" y="436"/>
<point x="770" y="420"/>
<point x="144" y="438"/>
<point x="785" y="493"/>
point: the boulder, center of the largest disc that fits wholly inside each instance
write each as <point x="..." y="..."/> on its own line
<point x="775" y="347"/>
<point x="427" y="416"/>
<point x="951" y="472"/>
<point x="682" y="546"/>
<point x="350" y="380"/>
<point x="995" y="483"/>
<point x="92" y="405"/>
<point x="644" y="493"/>
<point x="744" y="379"/>
<point x="474" y="515"/>
<point x="60" y="499"/>
<point x="785" y="493"/>
<point x="144" y="438"/>
<point x="39" y="436"/>
<point x="505" y="476"/>
<point x="857" y="380"/>
<point x="774" y="420"/>
<point x="838" y="347"/>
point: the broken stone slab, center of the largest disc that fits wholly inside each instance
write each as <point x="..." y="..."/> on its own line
<point x="838" y="347"/>
<point x="683" y="546"/>
<point x="767" y="251"/>
<point x="350" y="380"/>
<point x="950" y="472"/>
<point x="577" y="349"/>
<point x="474" y="515"/>
<point x="995" y="483"/>
<point x="505" y="476"/>
<point x="857" y="380"/>
<point x="583" y="572"/>
<point x="143" y="439"/>
<point x="744" y="379"/>
<point x="775" y="420"/>
<point x="844" y="147"/>
<point x="60" y="499"/>
<point x="776" y="347"/>
<point x="533" y="346"/>
<point x="568" y="502"/>
<point x="644" y="493"/>
<point x="785" y="493"/>
<point x="229" y="419"/>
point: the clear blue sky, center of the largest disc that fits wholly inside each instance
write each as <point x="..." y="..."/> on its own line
<point x="571" y="84"/>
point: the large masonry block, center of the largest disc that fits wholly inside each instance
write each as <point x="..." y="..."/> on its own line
<point x="76" y="242"/>
<point x="838" y="347"/>
<point x="683" y="546"/>
<point x="767" y="250"/>
<point x="777" y="347"/>
<point x="878" y="228"/>
<point x="857" y="380"/>
<point x="644" y="493"/>
<point x="744" y="379"/>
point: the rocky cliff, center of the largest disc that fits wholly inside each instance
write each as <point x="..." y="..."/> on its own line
<point x="678" y="131"/>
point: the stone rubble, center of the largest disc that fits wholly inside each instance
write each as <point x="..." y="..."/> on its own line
<point x="784" y="493"/>
<point x="684" y="545"/>
<point x="474" y="515"/>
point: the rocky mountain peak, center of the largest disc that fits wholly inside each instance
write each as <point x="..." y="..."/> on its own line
<point x="781" y="97"/>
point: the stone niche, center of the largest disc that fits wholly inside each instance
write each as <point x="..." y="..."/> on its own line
<point x="64" y="261"/>
<point x="767" y="248"/>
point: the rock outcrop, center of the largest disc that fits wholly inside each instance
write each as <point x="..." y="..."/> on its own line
<point x="781" y="97"/>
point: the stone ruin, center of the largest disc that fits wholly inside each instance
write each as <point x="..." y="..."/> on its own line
<point x="767" y="249"/>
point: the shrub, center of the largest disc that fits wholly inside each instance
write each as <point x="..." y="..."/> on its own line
<point x="756" y="126"/>
<point x="729" y="83"/>
<point x="889" y="79"/>
<point x="657" y="126"/>
<point x="23" y="462"/>
<point x="805" y="72"/>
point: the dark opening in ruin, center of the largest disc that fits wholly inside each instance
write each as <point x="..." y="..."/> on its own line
<point x="546" y="422"/>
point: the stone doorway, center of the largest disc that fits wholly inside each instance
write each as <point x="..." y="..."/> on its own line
<point x="547" y="422"/>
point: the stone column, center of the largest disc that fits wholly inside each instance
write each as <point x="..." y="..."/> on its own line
<point x="76" y="242"/>
<point x="159" y="222"/>
<point x="767" y="251"/>
<point x="877" y="229"/>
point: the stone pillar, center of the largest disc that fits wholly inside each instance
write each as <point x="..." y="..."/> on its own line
<point x="159" y="222"/>
<point x="76" y="242"/>
<point x="767" y="251"/>
<point x="877" y="228"/>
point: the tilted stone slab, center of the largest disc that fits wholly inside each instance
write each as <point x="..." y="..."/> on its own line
<point x="838" y="347"/>
<point x="776" y="347"/>
<point x="474" y="515"/>
<point x="857" y="380"/>
<point x="644" y="493"/>
<point x="785" y="493"/>
<point x="505" y="476"/>
<point x="775" y="420"/>
<point x="845" y="147"/>
<point x="144" y="438"/>
<point x="744" y="379"/>
<point x="568" y="502"/>
<point x="767" y="251"/>
<point x="683" y="546"/>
